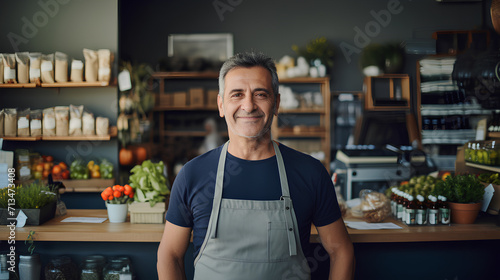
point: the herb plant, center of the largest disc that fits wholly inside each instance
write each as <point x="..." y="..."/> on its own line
<point x="32" y="196"/>
<point x="462" y="189"/>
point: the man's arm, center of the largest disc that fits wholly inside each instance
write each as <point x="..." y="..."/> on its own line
<point x="338" y="245"/>
<point x="171" y="251"/>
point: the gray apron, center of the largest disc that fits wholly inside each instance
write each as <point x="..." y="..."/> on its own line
<point x="251" y="239"/>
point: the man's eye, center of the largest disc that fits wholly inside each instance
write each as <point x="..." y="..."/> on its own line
<point x="237" y="94"/>
<point x="261" y="94"/>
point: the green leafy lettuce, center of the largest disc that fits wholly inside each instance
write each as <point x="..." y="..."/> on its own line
<point x="148" y="182"/>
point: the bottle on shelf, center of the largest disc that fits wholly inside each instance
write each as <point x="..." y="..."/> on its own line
<point x="394" y="203"/>
<point x="405" y="205"/>
<point x="421" y="215"/>
<point x="411" y="211"/>
<point x="400" y="210"/>
<point x="433" y="211"/>
<point x="444" y="211"/>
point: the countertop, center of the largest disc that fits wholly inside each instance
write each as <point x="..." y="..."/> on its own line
<point x="55" y="230"/>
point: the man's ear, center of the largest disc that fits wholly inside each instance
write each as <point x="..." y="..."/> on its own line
<point x="277" y="104"/>
<point x="219" y="105"/>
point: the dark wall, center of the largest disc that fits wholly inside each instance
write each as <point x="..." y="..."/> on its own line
<point x="274" y="26"/>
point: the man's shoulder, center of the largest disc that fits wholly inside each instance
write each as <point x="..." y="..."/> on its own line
<point x="207" y="159"/>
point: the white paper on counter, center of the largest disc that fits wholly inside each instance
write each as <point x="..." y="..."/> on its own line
<point x="92" y="220"/>
<point x="365" y="225"/>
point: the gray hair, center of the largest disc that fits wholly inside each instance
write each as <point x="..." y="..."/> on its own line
<point x="247" y="60"/>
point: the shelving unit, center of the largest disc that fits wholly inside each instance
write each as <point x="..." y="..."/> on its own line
<point x="445" y="119"/>
<point x="301" y="127"/>
<point x="387" y="92"/>
<point x="90" y="185"/>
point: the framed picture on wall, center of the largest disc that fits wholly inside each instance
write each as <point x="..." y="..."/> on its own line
<point x="213" y="48"/>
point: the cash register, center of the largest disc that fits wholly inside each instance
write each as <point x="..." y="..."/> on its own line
<point x="368" y="167"/>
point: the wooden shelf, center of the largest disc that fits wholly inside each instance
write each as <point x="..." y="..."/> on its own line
<point x="483" y="167"/>
<point x="302" y="111"/>
<point x="30" y="85"/>
<point x="75" y="84"/>
<point x="73" y="185"/>
<point x="186" y="75"/>
<point x="183" y="108"/>
<point x="493" y="134"/>
<point x="174" y="133"/>
<point x="113" y="132"/>
<point x="22" y="138"/>
<point x="58" y="85"/>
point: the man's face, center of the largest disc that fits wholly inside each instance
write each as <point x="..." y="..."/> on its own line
<point x="249" y="103"/>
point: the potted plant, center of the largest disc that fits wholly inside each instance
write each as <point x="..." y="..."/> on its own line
<point x="464" y="194"/>
<point x="36" y="200"/>
<point x="151" y="190"/>
<point x="117" y="199"/>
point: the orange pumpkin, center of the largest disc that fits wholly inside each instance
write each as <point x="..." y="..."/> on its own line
<point x="141" y="154"/>
<point x="126" y="156"/>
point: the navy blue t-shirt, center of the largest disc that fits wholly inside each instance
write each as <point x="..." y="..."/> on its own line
<point x="311" y="190"/>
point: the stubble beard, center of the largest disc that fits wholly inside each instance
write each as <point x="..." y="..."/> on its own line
<point x="266" y="129"/>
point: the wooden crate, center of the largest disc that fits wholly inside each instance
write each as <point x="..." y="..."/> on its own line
<point x="143" y="213"/>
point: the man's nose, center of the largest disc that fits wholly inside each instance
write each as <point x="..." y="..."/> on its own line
<point x="248" y="103"/>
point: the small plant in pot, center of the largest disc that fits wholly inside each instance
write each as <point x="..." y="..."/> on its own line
<point x="152" y="189"/>
<point x="36" y="200"/>
<point x="465" y="194"/>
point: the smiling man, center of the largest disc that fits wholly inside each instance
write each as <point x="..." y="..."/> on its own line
<point x="250" y="203"/>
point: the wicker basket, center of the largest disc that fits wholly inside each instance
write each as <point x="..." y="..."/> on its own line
<point x="143" y="213"/>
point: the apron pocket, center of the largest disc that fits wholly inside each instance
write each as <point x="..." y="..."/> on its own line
<point x="277" y="241"/>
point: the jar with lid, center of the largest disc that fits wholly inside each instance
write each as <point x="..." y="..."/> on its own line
<point x="90" y="270"/>
<point x="118" y="268"/>
<point x="4" y="272"/>
<point x="30" y="267"/>
<point x="100" y="260"/>
<point x="492" y="153"/>
<point x="61" y="268"/>
<point x="23" y="165"/>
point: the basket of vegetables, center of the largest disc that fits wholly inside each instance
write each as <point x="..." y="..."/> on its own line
<point x="151" y="191"/>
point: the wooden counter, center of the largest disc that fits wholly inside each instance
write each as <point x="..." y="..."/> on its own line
<point x="54" y="230"/>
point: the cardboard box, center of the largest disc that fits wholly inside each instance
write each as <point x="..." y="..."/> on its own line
<point x="212" y="98"/>
<point x="196" y="97"/>
<point x="179" y="99"/>
<point x="165" y="99"/>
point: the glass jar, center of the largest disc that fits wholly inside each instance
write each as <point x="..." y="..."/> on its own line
<point x="493" y="156"/>
<point x="30" y="267"/>
<point x="92" y="267"/>
<point x="23" y="165"/>
<point x="61" y="268"/>
<point x="118" y="268"/>
<point x="4" y="273"/>
<point x="90" y="270"/>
